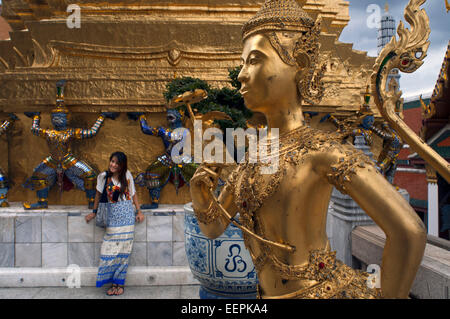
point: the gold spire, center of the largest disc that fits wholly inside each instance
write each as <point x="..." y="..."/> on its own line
<point x="386" y="7"/>
<point x="447" y="5"/>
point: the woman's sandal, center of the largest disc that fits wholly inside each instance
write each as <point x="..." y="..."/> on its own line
<point x="118" y="291"/>
<point x="112" y="291"/>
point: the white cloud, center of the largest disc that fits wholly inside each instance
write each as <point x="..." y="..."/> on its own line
<point x="424" y="79"/>
<point x="365" y="39"/>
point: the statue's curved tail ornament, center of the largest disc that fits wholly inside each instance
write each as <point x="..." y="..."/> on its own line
<point x="406" y="54"/>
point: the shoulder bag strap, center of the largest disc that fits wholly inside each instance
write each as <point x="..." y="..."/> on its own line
<point x="104" y="198"/>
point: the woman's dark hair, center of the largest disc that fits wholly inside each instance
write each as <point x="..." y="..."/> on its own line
<point x="123" y="164"/>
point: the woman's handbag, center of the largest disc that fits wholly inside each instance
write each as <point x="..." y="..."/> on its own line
<point x="101" y="218"/>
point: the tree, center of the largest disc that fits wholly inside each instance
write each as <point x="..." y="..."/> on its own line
<point x="227" y="100"/>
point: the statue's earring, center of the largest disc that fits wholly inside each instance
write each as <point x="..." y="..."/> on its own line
<point x="306" y="53"/>
<point x="309" y="80"/>
<point x="310" y="84"/>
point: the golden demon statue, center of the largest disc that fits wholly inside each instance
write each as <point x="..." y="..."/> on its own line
<point x="61" y="166"/>
<point x="283" y="215"/>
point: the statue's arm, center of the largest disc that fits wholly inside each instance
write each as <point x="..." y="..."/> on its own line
<point x="405" y="232"/>
<point x="4" y="127"/>
<point x="145" y="128"/>
<point x="36" y="127"/>
<point x="165" y="134"/>
<point x="83" y="133"/>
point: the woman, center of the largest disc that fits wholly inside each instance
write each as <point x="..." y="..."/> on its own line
<point x="284" y="214"/>
<point x="118" y="239"/>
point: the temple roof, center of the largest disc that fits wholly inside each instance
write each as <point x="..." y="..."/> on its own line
<point x="436" y="123"/>
<point x="439" y="107"/>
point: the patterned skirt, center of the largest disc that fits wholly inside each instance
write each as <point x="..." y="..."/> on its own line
<point x="117" y="244"/>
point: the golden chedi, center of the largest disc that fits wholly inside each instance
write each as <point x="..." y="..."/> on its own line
<point x="283" y="214"/>
<point x="120" y="60"/>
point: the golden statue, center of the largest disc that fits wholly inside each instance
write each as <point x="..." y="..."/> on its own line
<point x="283" y="215"/>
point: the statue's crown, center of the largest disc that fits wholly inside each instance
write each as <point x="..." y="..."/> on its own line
<point x="60" y="106"/>
<point x="278" y="15"/>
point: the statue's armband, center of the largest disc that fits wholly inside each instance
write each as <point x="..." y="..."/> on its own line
<point x="347" y="165"/>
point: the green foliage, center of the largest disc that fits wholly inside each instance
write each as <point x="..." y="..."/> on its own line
<point x="225" y="99"/>
<point x="180" y="85"/>
<point x="233" y="74"/>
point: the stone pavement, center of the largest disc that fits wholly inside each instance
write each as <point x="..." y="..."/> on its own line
<point x="131" y="292"/>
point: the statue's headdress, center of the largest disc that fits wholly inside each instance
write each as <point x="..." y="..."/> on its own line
<point x="288" y="16"/>
<point x="60" y="105"/>
<point x="365" y="107"/>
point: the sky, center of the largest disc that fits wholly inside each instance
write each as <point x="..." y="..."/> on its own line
<point x="361" y="32"/>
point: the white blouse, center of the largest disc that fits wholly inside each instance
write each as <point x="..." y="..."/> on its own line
<point x="131" y="188"/>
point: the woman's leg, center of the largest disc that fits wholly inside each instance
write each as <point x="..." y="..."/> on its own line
<point x="117" y="245"/>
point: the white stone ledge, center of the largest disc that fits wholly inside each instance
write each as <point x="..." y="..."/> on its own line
<point x="433" y="277"/>
<point x="60" y="277"/>
<point x="16" y="210"/>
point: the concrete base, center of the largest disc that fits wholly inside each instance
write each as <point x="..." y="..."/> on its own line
<point x="73" y="277"/>
<point x="433" y="277"/>
<point x="55" y="247"/>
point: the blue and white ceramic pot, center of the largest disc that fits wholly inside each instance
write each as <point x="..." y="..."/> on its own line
<point x="222" y="265"/>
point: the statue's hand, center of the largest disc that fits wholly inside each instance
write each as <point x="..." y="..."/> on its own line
<point x="13" y="116"/>
<point x="204" y="180"/>
<point x="111" y="115"/>
<point x="32" y="114"/>
<point x="134" y="115"/>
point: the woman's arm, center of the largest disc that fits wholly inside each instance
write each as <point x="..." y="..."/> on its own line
<point x="134" y="197"/>
<point x="139" y="216"/>
<point x="91" y="216"/>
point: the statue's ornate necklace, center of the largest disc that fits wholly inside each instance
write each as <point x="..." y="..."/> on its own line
<point x="252" y="188"/>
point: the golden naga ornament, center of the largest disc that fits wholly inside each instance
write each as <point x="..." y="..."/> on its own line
<point x="406" y="54"/>
<point x="283" y="213"/>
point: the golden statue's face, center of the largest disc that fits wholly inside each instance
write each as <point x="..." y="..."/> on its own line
<point x="266" y="80"/>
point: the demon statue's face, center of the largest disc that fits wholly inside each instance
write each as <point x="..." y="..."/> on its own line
<point x="174" y="118"/>
<point x="59" y="120"/>
<point x="367" y="122"/>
